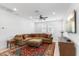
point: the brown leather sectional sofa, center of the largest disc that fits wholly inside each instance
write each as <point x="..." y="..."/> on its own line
<point x="22" y="38"/>
<point x="46" y="37"/>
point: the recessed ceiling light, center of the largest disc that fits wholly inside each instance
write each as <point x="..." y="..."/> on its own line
<point x="30" y="17"/>
<point x="14" y="9"/>
<point x="53" y="13"/>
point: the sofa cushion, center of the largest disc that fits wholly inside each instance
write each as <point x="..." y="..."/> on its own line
<point x="20" y="43"/>
<point x="44" y="35"/>
<point x="34" y="42"/>
<point x="18" y="37"/>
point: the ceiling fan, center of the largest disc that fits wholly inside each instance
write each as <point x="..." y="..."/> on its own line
<point x="39" y="16"/>
<point x="42" y="17"/>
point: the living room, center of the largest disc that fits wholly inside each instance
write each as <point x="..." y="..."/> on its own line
<point x="36" y="18"/>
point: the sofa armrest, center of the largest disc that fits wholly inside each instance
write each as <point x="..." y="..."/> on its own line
<point x="10" y="43"/>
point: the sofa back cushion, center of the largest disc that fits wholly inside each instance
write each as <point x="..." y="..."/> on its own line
<point x="36" y="35"/>
<point x="18" y="37"/>
<point x="45" y="35"/>
<point x="25" y="36"/>
<point x="30" y="35"/>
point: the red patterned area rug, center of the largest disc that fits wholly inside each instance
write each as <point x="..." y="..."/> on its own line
<point x="43" y="50"/>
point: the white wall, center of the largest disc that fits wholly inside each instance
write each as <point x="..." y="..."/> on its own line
<point x="12" y="25"/>
<point x="74" y="37"/>
<point x="52" y="26"/>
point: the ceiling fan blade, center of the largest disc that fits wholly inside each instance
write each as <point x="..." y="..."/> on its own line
<point x="5" y="8"/>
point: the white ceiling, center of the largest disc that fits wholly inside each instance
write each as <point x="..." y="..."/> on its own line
<point x="27" y="10"/>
